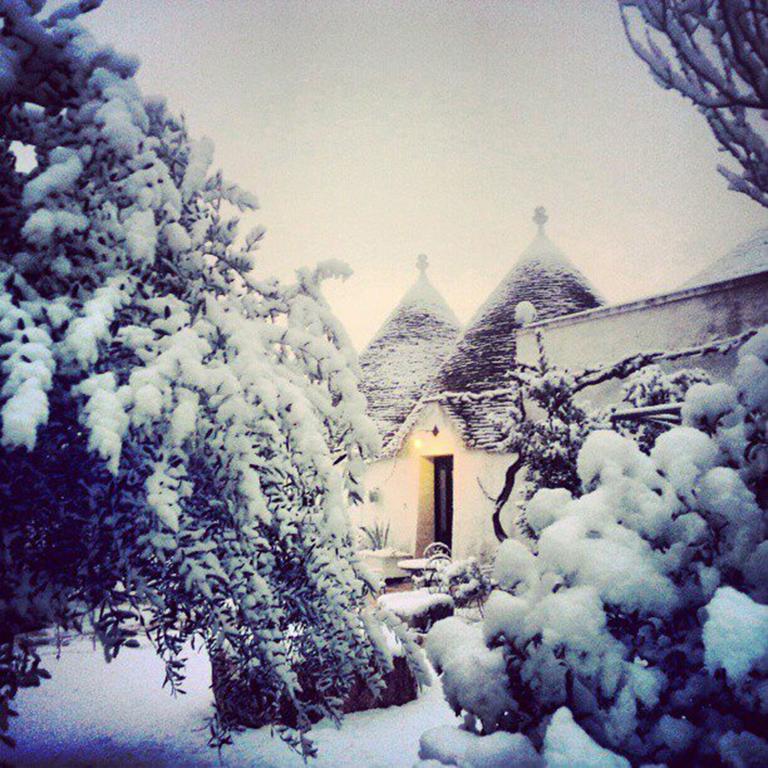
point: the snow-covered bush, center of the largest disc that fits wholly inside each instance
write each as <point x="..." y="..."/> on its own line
<point x="641" y="617"/>
<point x="465" y="582"/>
<point x="653" y="386"/>
<point x="449" y="745"/>
<point x="180" y="440"/>
<point x="417" y="608"/>
<point x="544" y="430"/>
<point x="550" y="444"/>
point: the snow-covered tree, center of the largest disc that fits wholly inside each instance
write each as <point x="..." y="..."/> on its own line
<point x="180" y="441"/>
<point x="550" y="437"/>
<point x="714" y="52"/>
<point x="545" y="443"/>
<point x="466" y="582"/>
<point x="639" y="622"/>
<point x="546" y="426"/>
<point x="654" y="386"/>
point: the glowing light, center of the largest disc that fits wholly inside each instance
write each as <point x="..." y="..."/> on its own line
<point x="418" y="442"/>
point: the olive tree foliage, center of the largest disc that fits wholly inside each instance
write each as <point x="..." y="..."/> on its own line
<point x="714" y="52"/>
<point x="180" y="441"/>
<point x="544" y="432"/>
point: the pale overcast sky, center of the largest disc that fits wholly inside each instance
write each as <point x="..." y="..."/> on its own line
<point x="375" y="131"/>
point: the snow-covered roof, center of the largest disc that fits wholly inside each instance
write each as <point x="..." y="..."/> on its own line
<point x="542" y="275"/>
<point x="405" y="355"/>
<point x="747" y="258"/>
<point x="479" y="419"/>
<point x="472" y="385"/>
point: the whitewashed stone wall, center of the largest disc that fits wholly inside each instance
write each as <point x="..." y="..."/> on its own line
<point x="395" y="485"/>
<point x="669" y="322"/>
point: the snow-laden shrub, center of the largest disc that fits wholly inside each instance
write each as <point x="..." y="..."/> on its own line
<point x="642" y="614"/>
<point x="654" y="386"/>
<point x="550" y="444"/>
<point x="464" y="581"/>
<point x="448" y="745"/>
<point x="473" y="673"/>
<point x="180" y="440"/>
<point x="545" y="447"/>
<point x="545" y="430"/>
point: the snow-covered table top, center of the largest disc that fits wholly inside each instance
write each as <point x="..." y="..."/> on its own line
<point x="407" y="605"/>
<point x="382" y="553"/>
<point x="416" y="564"/>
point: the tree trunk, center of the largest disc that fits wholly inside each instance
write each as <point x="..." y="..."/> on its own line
<point x="503" y="497"/>
<point x="241" y="704"/>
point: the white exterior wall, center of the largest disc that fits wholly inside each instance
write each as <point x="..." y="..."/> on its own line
<point x="666" y="323"/>
<point x="395" y="482"/>
<point x="473" y="526"/>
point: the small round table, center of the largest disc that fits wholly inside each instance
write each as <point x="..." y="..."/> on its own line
<point x="415" y="564"/>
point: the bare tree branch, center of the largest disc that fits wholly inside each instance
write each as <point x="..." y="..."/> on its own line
<point x="503" y="497"/>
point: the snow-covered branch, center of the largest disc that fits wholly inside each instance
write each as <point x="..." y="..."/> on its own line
<point x="626" y="367"/>
<point x="714" y="52"/>
<point x="170" y="422"/>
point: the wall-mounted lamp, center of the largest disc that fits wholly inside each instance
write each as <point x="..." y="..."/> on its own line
<point x="418" y="442"/>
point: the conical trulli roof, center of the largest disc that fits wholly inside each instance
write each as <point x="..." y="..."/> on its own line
<point x="485" y="352"/>
<point x="405" y="355"/>
<point x="543" y="276"/>
<point x="747" y="258"/>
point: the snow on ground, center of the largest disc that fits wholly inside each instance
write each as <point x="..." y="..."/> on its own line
<point x="92" y="713"/>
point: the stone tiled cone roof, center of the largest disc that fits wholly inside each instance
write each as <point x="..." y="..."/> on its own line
<point x="472" y="385"/>
<point x="406" y="353"/>
<point x="486" y="350"/>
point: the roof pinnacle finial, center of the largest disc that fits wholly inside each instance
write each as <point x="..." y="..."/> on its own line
<point x="422" y="262"/>
<point x="540" y="218"/>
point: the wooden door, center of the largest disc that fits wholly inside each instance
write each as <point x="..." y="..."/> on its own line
<point x="444" y="499"/>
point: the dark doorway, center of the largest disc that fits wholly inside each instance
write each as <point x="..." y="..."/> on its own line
<point x="444" y="499"/>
